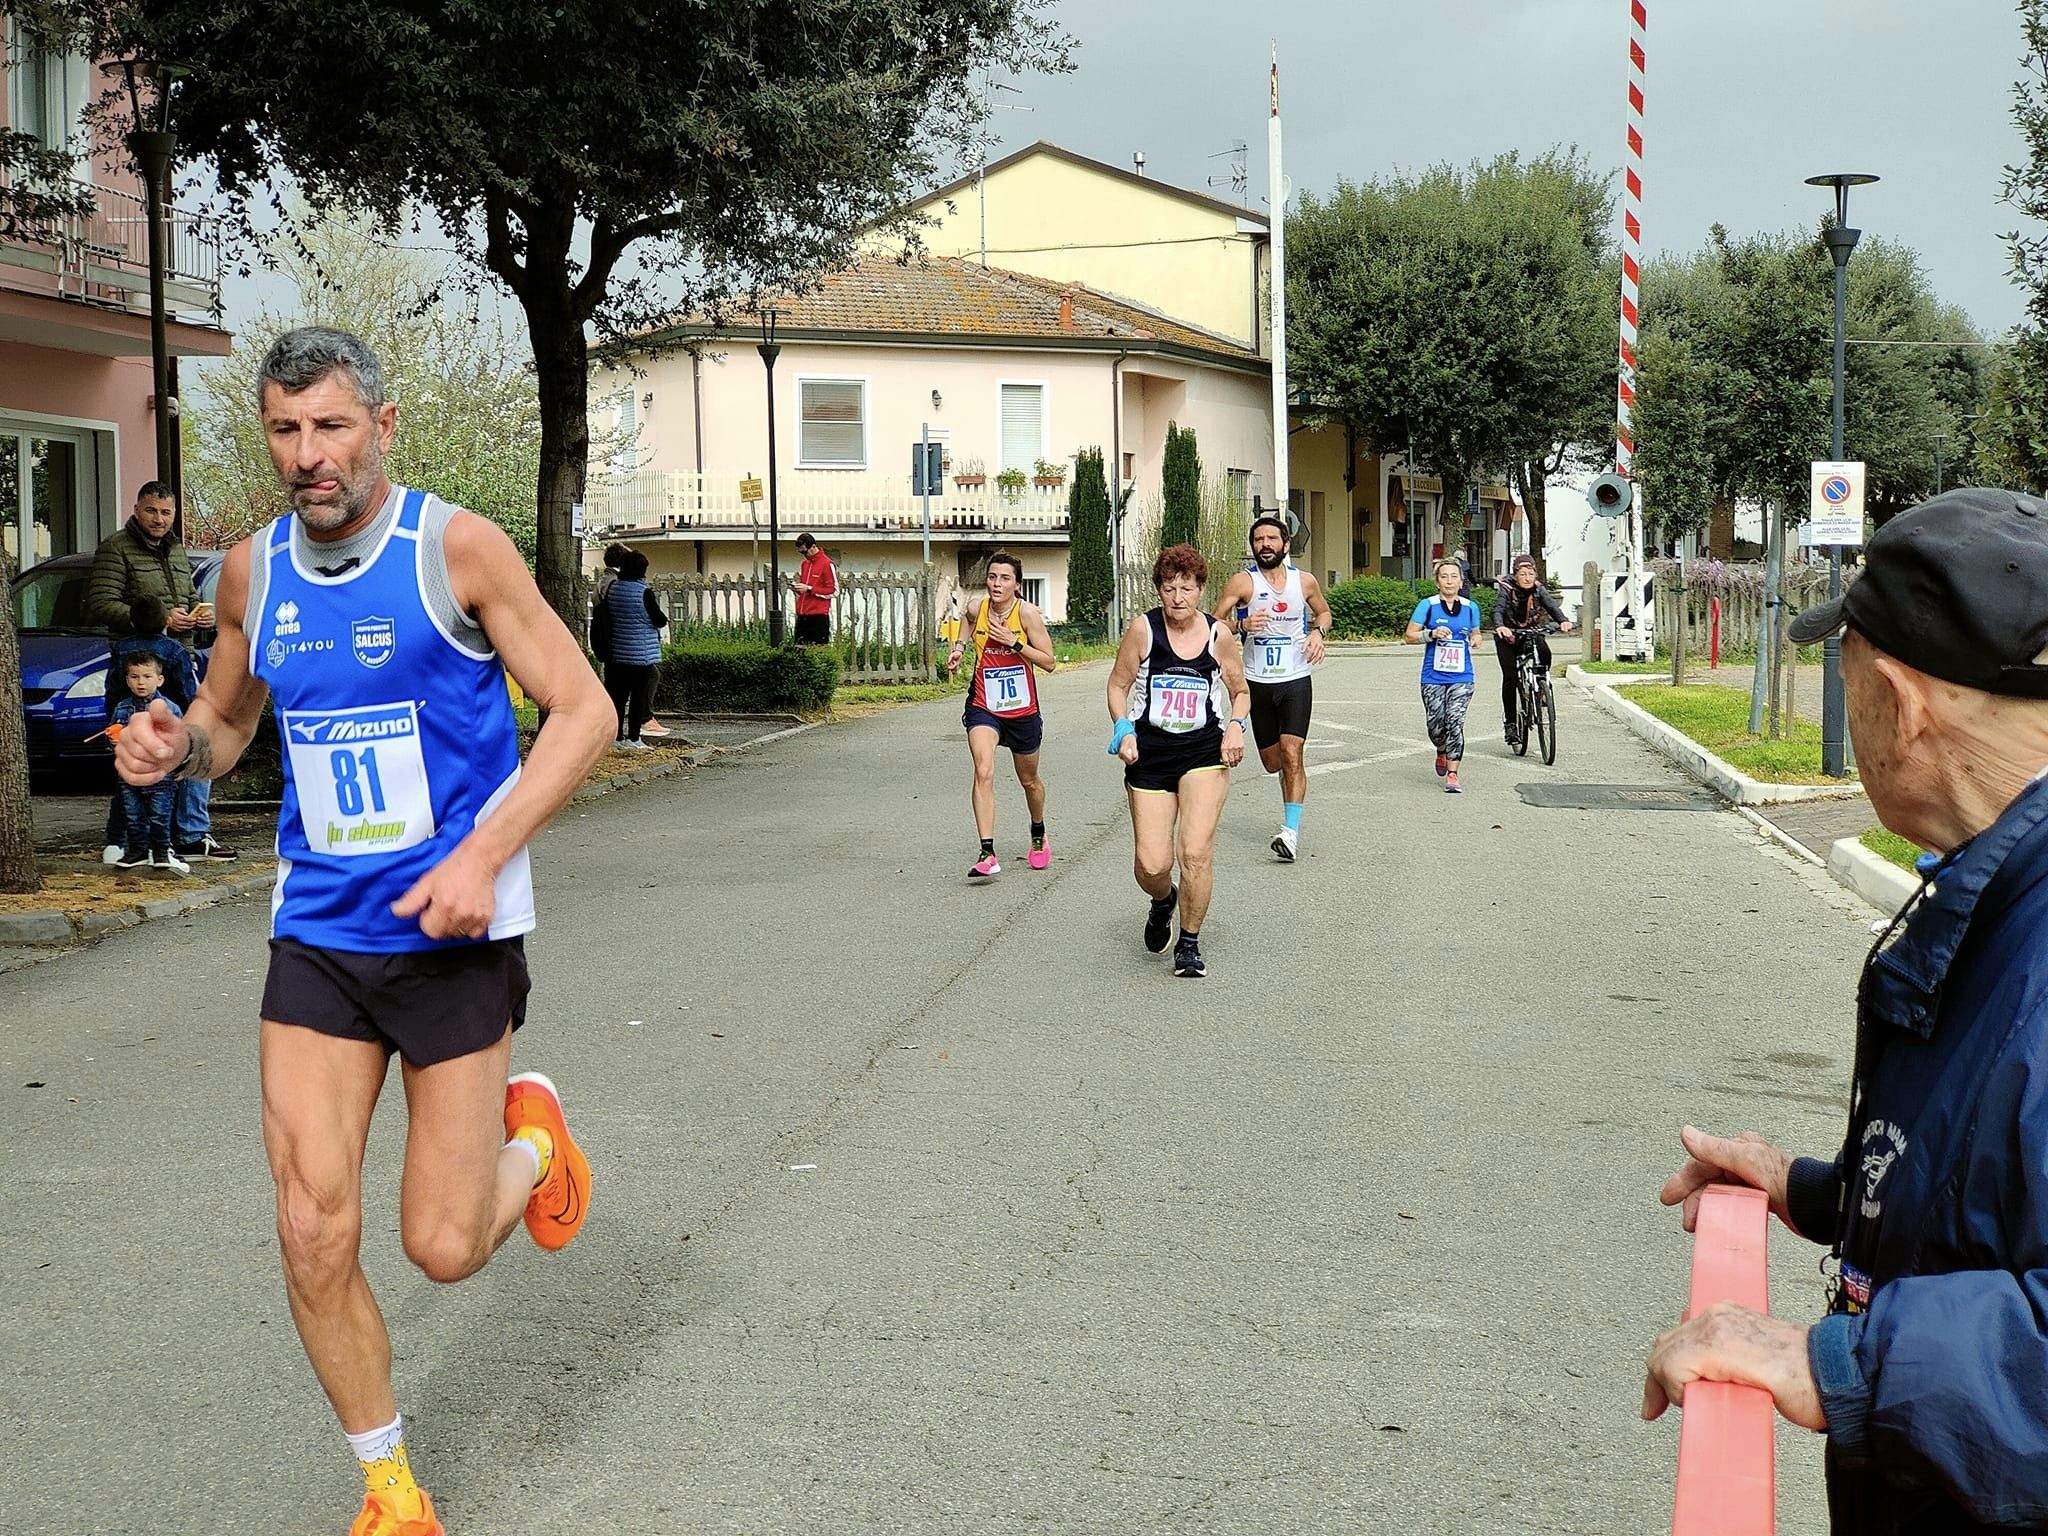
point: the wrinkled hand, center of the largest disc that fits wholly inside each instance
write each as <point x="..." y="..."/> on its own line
<point x="1731" y="1343"/>
<point x="1745" y="1159"/>
<point x="1314" y="649"/>
<point x="456" y="899"/>
<point x="153" y="744"/>
<point x="1128" y="749"/>
<point x="1233" y="744"/>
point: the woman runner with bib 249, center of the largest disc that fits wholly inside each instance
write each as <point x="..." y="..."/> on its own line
<point x="1010" y="639"/>
<point x="1445" y="624"/>
<point x="1175" y="684"/>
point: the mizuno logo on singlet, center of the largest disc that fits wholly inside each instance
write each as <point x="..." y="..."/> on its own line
<point x="380" y="724"/>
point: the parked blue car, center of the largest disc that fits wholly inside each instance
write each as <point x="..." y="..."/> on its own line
<point x="64" y="664"/>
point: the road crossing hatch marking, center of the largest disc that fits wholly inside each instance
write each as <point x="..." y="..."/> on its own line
<point x="1617" y="797"/>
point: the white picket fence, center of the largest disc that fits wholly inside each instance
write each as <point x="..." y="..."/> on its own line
<point x="884" y="623"/>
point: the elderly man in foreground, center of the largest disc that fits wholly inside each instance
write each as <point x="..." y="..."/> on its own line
<point x="1929" y="1373"/>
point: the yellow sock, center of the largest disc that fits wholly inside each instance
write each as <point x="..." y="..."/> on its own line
<point x="390" y="1477"/>
<point x="543" y="1145"/>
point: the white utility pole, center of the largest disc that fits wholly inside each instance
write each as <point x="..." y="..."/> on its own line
<point x="989" y="86"/>
<point x="1276" y="205"/>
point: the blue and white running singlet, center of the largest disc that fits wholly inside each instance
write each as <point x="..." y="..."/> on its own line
<point x="397" y="742"/>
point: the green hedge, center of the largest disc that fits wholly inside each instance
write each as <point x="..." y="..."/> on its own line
<point x="704" y="676"/>
<point x="1378" y="607"/>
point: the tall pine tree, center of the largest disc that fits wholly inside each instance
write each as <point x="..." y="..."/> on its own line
<point x="1089" y="577"/>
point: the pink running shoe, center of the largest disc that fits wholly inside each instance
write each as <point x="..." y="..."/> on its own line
<point x="986" y="869"/>
<point x="1041" y="853"/>
<point x="1451" y="783"/>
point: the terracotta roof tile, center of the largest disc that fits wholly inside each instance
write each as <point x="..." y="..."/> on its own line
<point x="946" y="296"/>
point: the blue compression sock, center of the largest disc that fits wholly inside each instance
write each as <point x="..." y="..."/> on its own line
<point x="1290" y="814"/>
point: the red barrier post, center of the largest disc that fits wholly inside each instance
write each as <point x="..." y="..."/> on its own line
<point x="1726" y="1477"/>
<point x="1714" y="637"/>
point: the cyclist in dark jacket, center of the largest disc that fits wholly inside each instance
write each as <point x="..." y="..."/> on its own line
<point x="1930" y="1372"/>
<point x="1519" y="602"/>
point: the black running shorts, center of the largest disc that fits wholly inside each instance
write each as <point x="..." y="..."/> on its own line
<point x="1281" y="709"/>
<point x="1162" y="765"/>
<point x="1022" y="734"/>
<point x="429" y="1005"/>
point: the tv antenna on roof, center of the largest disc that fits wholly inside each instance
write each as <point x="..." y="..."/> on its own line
<point x="989" y="86"/>
<point x="1239" y="180"/>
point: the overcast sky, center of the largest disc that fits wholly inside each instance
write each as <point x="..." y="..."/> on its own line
<point x="1746" y="98"/>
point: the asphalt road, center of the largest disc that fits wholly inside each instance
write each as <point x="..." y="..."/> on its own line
<point x="929" y="1208"/>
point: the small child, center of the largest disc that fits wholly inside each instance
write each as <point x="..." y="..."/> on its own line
<point x="147" y="808"/>
<point x="147" y="619"/>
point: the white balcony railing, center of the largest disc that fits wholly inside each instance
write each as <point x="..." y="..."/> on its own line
<point x="103" y="258"/>
<point x="847" y="501"/>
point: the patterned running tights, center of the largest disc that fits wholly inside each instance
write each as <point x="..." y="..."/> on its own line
<point x="1444" y="704"/>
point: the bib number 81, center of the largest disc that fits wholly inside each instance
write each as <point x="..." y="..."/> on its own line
<point x="356" y="782"/>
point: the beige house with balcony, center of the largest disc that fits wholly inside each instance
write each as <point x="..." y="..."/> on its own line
<point x="1010" y="374"/>
<point x="77" y="406"/>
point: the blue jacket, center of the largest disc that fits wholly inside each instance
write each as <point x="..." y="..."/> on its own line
<point x="1933" y="1362"/>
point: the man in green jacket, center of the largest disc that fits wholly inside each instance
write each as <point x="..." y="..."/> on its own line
<point x="143" y="558"/>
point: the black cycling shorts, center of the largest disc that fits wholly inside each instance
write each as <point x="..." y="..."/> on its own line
<point x="429" y="1005"/>
<point x="1281" y="709"/>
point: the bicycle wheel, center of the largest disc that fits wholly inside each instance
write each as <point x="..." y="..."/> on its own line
<point x="1525" y="712"/>
<point x="1546" y="721"/>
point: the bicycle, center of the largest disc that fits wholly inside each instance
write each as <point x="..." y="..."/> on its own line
<point x="1535" y="706"/>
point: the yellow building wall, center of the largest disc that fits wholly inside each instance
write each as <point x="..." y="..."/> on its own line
<point x="1067" y="222"/>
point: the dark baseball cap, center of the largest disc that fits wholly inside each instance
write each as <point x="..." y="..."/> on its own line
<point x="1956" y="588"/>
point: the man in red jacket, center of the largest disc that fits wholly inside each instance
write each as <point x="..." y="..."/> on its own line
<point x="815" y="584"/>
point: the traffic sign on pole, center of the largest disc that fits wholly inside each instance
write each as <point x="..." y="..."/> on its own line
<point x="1837" y="506"/>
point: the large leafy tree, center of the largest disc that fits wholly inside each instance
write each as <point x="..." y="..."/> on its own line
<point x="1464" y="314"/>
<point x="469" y="420"/>
<point x="607" y="164"/>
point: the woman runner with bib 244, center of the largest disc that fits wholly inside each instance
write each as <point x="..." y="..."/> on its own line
<point x="1010" y="639"/>
<point x="1445" y="624"/>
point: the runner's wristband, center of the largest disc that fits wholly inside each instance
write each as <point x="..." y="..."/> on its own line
<point x="1123" y="732"/>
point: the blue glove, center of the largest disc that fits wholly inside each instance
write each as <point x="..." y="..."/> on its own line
<point x="1123" y="732"/>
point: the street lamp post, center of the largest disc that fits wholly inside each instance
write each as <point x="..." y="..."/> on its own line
<point x="153" y="146"/>
<point x="769" y="351"/>
<point x="1840" y="240"/>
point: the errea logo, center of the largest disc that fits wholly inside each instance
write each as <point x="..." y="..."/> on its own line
<point x="286" y="618"/>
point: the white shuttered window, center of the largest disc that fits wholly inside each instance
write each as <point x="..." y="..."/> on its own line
<point x="832" y="423"/>
<point x="1023" y="426"/>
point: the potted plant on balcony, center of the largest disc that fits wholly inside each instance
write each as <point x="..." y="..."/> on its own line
<point x="1011" y="483"/>
<point x="970" y="475"/>
<point x="1048" y="476"/>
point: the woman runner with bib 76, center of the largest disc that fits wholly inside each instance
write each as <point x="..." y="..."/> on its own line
<point x="1174" y="686"/>
<point x="1010" y="639"/>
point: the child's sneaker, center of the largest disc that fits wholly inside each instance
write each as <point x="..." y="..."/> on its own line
<point x="133" y="858"/>
<point x="163" y="858"/>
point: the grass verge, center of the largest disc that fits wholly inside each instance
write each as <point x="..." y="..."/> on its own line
<point x="1889" y="845"/>
<point x="1718" y="719"/>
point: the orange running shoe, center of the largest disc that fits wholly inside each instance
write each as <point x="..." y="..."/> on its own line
<point x="555" y="1213"/>
<point x="383" y="1515"/>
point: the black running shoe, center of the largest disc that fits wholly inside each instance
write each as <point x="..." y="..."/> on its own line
<point x="1187" y="958"/>
<point x="1159" y="922"/>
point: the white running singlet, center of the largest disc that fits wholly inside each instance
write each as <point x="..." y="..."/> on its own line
<point x="1280" y="653"/>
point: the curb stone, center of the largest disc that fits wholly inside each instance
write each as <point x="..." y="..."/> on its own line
<point x="1729" y="782"/>
<point x="43" y="927"/>
<point x="1872" y="876"/>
